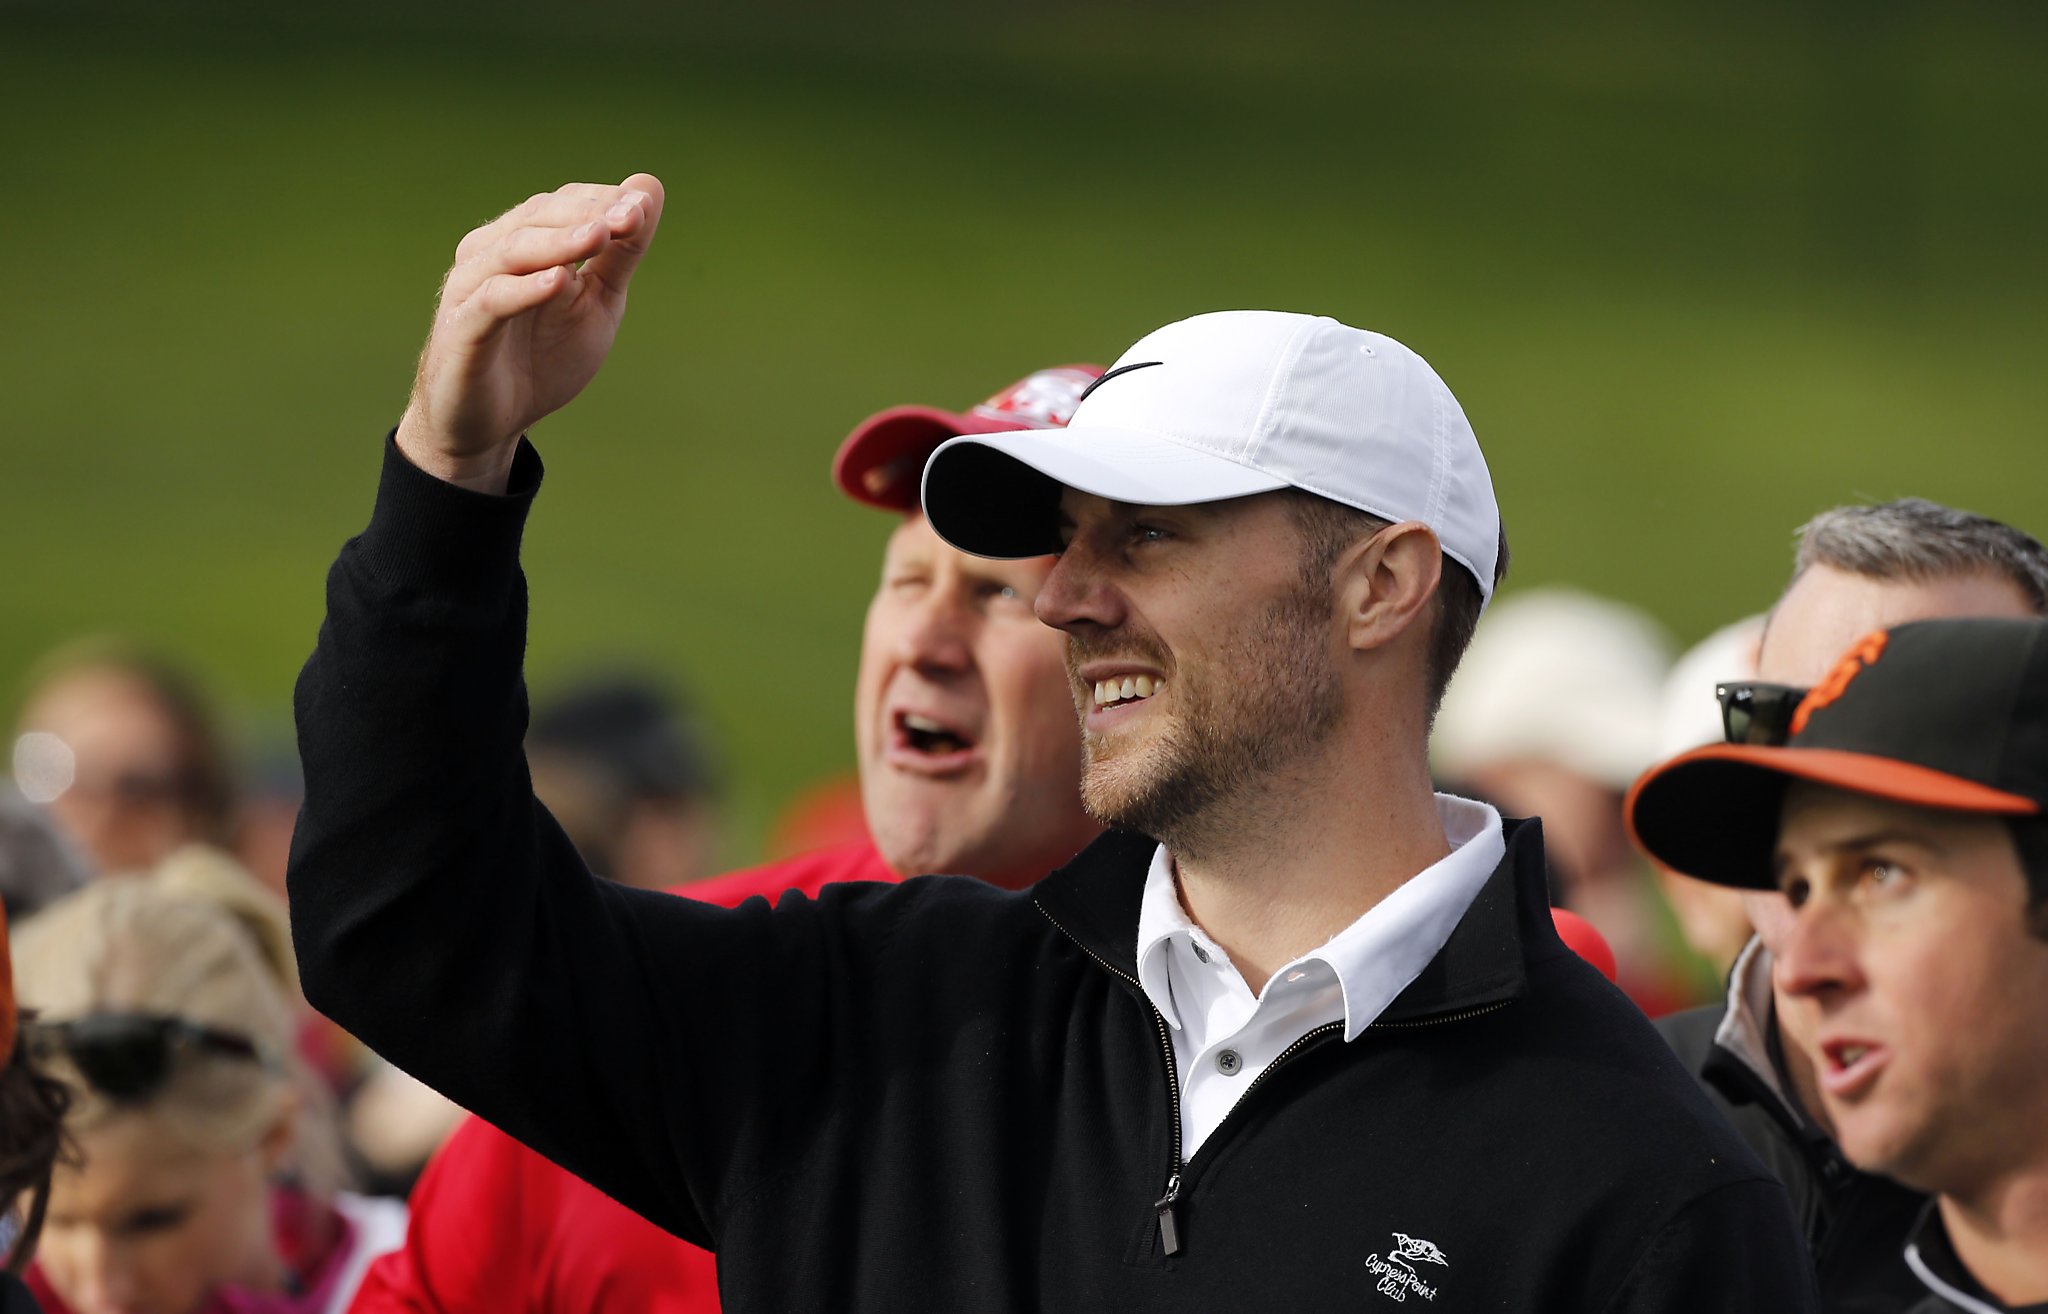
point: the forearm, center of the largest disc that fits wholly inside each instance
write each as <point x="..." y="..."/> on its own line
<point x="437" y="910"/>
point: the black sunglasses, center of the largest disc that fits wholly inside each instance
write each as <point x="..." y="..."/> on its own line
<point x="1753" y="712"/>
<point x="128" y="1056"/>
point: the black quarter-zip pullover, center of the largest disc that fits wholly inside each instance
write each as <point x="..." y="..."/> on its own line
<point x="943" y="1096"/>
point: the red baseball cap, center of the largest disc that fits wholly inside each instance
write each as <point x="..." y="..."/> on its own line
<point x="882" y="460"/>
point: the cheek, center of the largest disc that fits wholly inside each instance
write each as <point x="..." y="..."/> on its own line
<point x="867" y="692"/>
<point x="1033" y="704"/>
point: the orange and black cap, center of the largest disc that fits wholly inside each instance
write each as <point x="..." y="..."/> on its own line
<point x="1949" y="714"/>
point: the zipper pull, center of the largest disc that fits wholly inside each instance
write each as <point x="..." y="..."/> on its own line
<point x="1169" y="1232"/>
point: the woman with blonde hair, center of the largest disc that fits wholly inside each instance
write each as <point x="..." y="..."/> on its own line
<point x="204" y="1178"/>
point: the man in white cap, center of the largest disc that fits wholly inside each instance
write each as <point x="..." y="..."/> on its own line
<point x="1298" y="1034"/>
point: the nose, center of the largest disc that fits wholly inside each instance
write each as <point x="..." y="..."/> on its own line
<point x="1815" y="956"/>
<point x="937" y="632"/>
<point x="1076" y="596"/>
<point x="105" y="1282"/>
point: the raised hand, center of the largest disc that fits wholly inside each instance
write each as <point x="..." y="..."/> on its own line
<point x="526" y="317"/>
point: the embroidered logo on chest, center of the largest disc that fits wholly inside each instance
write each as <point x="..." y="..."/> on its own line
<point x="1396" y="1271"/>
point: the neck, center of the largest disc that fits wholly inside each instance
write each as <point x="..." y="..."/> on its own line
<point x="2001" y="1234"/>
<point x="1272" y="876"/>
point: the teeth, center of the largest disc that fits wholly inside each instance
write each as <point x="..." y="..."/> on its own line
<point x="1850" y="1053"/>
<point x="1128" y="689"/>
<point x="923" y="724"/>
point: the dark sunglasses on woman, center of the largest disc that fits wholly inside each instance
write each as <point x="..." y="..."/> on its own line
<point x="129" y="1056"/>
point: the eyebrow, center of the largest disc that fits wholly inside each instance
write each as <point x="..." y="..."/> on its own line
<point x="1867" y="840"/>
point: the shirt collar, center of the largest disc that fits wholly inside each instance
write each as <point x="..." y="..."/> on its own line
<point x="1377" y="956"/>
<point x="1933" y="1260"/>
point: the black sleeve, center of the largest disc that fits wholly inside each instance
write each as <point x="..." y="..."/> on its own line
<point x="15" y="1297"/>
<point x="1734" y="1248"/>
<point x="442" y="916"/>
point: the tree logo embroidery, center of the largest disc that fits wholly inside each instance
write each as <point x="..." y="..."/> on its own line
<point x="1396" y="1272"/>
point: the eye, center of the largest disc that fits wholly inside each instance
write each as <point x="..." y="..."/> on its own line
<point x="1882" y="874"/>
<point x="161" y="1218"/>
<point x="1796" y="890"/>
<point x="1144" y="533"/>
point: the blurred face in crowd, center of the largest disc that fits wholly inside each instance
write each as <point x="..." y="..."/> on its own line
<point x="130" y="796"/>
<point x="1824" y="612"/>
<point x="146" y="1224"/>
<point x="1200" y="659"/>
<point x="970" y="762"/>
<point x="1906" y="933"/>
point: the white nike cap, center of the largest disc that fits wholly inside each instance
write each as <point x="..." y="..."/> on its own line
<point x="1226" y="405"/>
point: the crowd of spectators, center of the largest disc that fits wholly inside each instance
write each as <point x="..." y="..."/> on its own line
<point x="182" y="1133"/>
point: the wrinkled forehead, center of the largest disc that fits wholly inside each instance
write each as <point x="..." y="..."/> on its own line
<point x="1826" y="609"/>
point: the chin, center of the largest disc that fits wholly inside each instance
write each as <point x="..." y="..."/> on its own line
<point x="1879" y="1144"/>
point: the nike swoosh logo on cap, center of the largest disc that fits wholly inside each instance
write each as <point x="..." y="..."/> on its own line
<point x="1121" y="369"/>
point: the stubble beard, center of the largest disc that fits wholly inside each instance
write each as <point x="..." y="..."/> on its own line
<point x="1267" y="699"/>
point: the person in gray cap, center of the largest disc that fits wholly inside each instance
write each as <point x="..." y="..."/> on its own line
<point x="1297" y="1033"/>
<point x="1902" y="820"/>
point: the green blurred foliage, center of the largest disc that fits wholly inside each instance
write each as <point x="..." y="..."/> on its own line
<point x="1695" y="273"/>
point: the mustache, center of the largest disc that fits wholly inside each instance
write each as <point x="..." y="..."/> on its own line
<point x="1142" y="648"/>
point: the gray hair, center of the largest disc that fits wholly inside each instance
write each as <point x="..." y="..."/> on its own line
<point x="1915" y="539"/>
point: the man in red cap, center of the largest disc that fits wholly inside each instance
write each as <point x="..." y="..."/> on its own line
<point x="1903" y="822"/>
<point x="969" y="762"/>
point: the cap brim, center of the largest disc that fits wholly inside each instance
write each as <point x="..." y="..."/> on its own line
<point x="998" y="494"/>
<point x="882" y="460"/>
<point x="1713" y="813"/>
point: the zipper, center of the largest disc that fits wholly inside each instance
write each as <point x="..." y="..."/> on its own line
<point x="1447" y="1017"/>
<point x="1163" y="1207"/>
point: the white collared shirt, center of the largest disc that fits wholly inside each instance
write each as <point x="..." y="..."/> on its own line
<point x="1224" y="1037"/>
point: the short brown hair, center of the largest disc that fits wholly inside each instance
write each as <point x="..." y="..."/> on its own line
<point x="1327" y="528"/>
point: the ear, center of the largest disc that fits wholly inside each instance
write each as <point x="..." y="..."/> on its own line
<point x="1386" y="583"/>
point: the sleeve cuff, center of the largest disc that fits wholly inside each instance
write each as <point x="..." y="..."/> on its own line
<point x="431" y="535"/>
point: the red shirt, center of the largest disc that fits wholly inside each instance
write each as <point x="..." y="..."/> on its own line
<point x="495" y="1227"/>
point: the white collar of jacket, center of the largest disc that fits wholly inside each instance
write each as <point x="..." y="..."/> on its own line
<point x="1094" y="901"/>
<point x="1745" y="1025"/>
<point x="1376" y="957"/>
<point x="1933" y="1260"/>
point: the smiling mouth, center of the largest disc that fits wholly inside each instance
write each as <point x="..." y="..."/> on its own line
<point x="929" y="738"/>
<point x="1129" y="689"/>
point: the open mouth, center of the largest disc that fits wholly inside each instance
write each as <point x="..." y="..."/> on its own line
<point x="926" y="737"/>
<point x="1128" y="689"/>
<point x="1850" y="1065"/>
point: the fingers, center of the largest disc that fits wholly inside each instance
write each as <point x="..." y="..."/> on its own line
<point x="501" y="298"/>
<point x="556" y="228"/>
<point x="565" y="207"/>
<point x="633" y="219"/>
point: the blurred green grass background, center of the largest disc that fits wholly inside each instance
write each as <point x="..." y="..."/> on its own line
<point x="1695" y="274"/>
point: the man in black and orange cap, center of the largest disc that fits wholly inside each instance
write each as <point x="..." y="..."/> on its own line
<point x="1903" y="820"/>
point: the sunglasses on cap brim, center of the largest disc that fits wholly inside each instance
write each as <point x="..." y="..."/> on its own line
<point x="129" y="1056"/>
<point x="1757" y="712"/>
